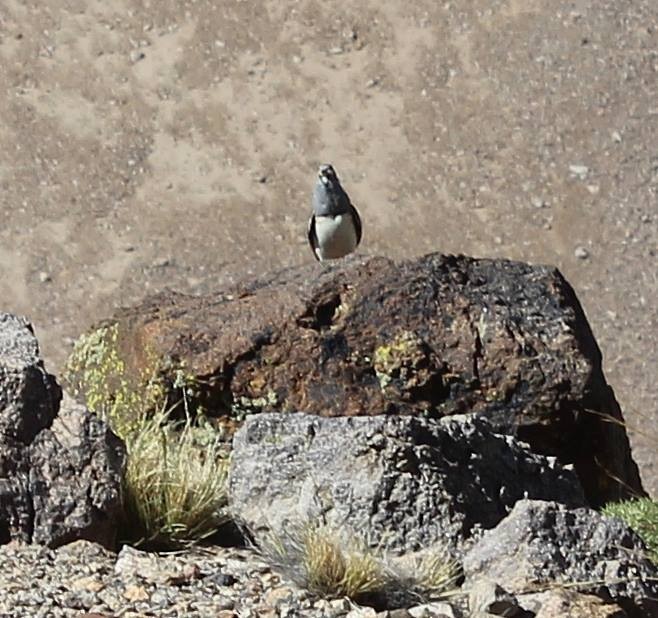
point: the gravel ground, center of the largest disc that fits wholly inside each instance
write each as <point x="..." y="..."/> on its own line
<point x="82" y="576"/>
<point x="83" y="579"/>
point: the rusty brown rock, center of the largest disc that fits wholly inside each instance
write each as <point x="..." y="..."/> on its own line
<point x="438" y="335"/>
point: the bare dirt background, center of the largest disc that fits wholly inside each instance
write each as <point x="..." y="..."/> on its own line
<point x="174" y="143"/>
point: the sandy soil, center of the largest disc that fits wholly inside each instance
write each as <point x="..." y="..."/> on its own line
<point x="173" y="143"/>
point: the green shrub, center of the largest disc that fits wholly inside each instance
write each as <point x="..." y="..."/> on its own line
<point x="642" y="516"/>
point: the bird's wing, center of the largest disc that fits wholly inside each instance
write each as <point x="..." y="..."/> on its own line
<point x="312" y="237"/>
<point x="357" y="222"/>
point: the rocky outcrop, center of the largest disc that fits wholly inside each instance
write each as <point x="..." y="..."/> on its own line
<point x="60" y="470"/>
<point x="435" y="336"/>
<point x="401" y="482"/>
<point x="546" y="544"/>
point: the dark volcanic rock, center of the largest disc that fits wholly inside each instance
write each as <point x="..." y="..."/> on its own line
<point x="75" y="479"/>
<point x="439" y="335"/>
<point x="29" y="396"/>
<point x="59" y="474"/>
<point x="29" y="399"/>
<point x="546" y="543"/>
<point x="399" y="482"/>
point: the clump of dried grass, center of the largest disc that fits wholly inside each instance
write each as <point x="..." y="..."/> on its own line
<point x="315" y="557"/>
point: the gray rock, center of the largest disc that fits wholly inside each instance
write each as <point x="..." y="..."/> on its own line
<point x="486" y="598"/>
<point x="434" y="610"/>
<point x="29" y="396"/>
<point x="29" y="399"/>
<point x="404" y="483"/>
<point x="568" y="603"/>
<point x="75" y="479"/>
<point x="59" y="476"/>
<point x="541" y="543"/>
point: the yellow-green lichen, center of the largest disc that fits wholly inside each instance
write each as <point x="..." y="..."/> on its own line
<point x="390" y="359"/>
<point x="247" y="405"/>
<point x="96" y="374"/>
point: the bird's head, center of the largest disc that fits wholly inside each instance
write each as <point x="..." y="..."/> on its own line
<point x="327" y="175"/>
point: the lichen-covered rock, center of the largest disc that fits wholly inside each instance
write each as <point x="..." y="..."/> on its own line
<point x="438" y="335"/>
<point x="60" y="471"/>
<point x="544" y="543"/>
<point x="399" y="482"/>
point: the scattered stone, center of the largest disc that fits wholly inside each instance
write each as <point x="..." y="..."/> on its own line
<point x="569" y="603"/>
<point x="394" y="613"/>
<point x="579" y="170"/>
<point x="487" y="597"/>
<point x="136" y="55"/>
<point x="433" y="610"/>
<point x="136" y="593"/>
<point x="340" y="605"/>
<point x="427" y="482"/>
<point x="189" y="573"/>
<point x="361" y="612"/>
<point x="544" y="543"/>
<point x="581" y="253"/>
<point x="45" y="277"/>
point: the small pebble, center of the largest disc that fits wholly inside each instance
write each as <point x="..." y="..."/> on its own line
<point x="581" y="253"/>
<point x="45" y="277"/>
<point x="136" y="55"/>
<point x="579" y="170"/>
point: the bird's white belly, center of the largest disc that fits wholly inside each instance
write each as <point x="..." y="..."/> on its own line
<point x="336" y="236"/>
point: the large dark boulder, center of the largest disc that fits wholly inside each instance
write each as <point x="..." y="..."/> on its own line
<point x="398" y="482"/>
<point x="435" y="336"/>
<point x="544" y="545"/>
<point x="60" y="470"/>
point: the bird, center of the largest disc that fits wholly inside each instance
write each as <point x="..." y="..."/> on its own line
<point x="334" y="229"/>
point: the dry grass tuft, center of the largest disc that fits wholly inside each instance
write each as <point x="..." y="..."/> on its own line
<point x="174" y="483"/>
<point x="315" y="558"/>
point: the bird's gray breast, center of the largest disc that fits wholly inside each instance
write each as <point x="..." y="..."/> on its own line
<point x="329" y="200"/>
